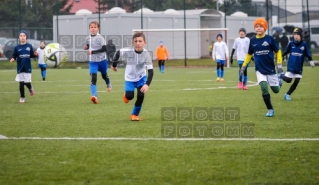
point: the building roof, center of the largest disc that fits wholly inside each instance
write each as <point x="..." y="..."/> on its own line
<point x="90" y="5"/>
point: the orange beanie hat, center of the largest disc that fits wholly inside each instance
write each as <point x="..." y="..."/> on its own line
<point x="262" y="22"/>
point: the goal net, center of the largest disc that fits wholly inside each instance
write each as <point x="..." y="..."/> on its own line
<point x="184" y="43"/>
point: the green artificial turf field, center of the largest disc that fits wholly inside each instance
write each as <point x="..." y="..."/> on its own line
<point x="59" y="137"/>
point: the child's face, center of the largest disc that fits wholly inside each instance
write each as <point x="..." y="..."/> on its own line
<point x="297" y="37"/>
<point x="219" y="39"/>
<point x="94" y="29"/>
<point x="259" y="29"/>
<point x="22" y="38"/>
<point x="242" y="34"/>
<point x="42" y="45"/>
<point x="139" y="43"/>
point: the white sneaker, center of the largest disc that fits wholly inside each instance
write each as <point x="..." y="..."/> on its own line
<point x="22" y="100"/>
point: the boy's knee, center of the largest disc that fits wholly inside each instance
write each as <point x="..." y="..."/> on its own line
<point x="93" y="78"/>
<point x="129" y="95"/>
<point x="264" y="87"/>
<point x="275" y="89"/>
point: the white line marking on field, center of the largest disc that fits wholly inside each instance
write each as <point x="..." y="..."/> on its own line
<point x="157" y="139"/>
<point x="212" y="88"/>
<point x="3" y="137"/>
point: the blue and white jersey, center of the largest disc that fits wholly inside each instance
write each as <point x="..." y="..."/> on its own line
<point x="40" y="56"/>
<point x="136" y="63"/>
<point x="297" y="51"/>
<point x="263" y="50"/>
<point x="23" y="54"/>
<point x="96" y="42"/>
<point x="241" y="46"/>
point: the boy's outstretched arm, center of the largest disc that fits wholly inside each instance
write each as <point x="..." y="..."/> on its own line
<point x="116" y="58"/>
<point x="279" y="62"/>
<point x="103" y="49"/>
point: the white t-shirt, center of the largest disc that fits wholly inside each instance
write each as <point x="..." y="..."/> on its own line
<point x="241" y="45"/>
<point x="136" y="63"/>
<point x="220" y="51"/>
<point x="95" y="43"/>
<point x="40" y="56"/>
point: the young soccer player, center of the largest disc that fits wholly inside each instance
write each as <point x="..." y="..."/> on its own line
<point x="298" y="50"/>
<point x="96" y="46"/>
<point x="22" y="54"/>
<point x="41" y="63"/>
<point x="220" y="55"/>
<point x="241" y="44"/>
<point x="137" y="59"/>
<point x="263" y="47"/>
<point x="161" y="56"/>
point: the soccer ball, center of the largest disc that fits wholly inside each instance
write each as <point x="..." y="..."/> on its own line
<point x="54" y="54"/>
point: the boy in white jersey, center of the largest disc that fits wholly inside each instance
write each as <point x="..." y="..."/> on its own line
<point x="137" y="59"/>
<point x="96" y="45"/>
<point x="220" y="55"/>
<point x="241" y="44"/>
<point x="41" y="64"/>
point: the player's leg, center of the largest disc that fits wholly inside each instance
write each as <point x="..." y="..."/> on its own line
<point x="245" y="79"/>
<point x="262" y="80"/>
<point x="128" y="91"/>
<point x="222" y="62"/>
<point x="21" y="89"/>
<point x="103" y="69"/>
<point x="27" y="82"/>
<point x="93" y="68"/>
<point x="43" y="71"/>
<point x="160" y="65"/>
<point x="218" y="70"/>
<point x="240" y="79"/>
<point x="163" y="66"/>
<point x="292" y="89"/>
<point x="139" y="101"/>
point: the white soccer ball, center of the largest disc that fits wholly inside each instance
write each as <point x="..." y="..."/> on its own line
<point x="54" y="54"/>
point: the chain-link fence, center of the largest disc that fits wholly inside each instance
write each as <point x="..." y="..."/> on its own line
<point x="66" y="21"/>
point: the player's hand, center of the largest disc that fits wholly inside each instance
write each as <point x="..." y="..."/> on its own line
<point x="86" y="47"/>
<point x="144" y="89"/>
<point x="231" y="60"/>
<point x="312" y="64"/>
<point x="214" y="59"/>
<point x="12" y="60"/>
<point x="36" y="53"/>
<point x="89" y="52"/>
<point x="242" y="70"/>
<point x="279" y="68"/>
<point x="114" y="68"/>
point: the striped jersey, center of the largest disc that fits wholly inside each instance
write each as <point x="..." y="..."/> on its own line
<point x="136" y="63"/>
<point x="263" y="50"/>
<point x="220" y="51"/>
<point x="96" y="42"/>
<point x="241" y="46"/>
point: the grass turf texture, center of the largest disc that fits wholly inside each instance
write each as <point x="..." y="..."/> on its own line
<point x="61" y="107"/>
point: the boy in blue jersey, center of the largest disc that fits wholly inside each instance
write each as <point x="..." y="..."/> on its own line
<point x="263" y="46"/>
<point x="23" y="54"/>
<point x="241" y="44"/>
<point x="96" y="45"/>
<point x="137" y="59"/>
<point x="298" y="50"/>
<point x="41" y="64"/>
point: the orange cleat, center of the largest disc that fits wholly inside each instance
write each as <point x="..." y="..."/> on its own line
<point x="134" y="117"/>
<point x="125" y="100"/>
<point x="94" y="99"/>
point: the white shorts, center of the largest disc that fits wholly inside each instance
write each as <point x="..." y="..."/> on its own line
<point x="292" y="75"/>
<point x="23" y="77"/>
<point x="271" y="79"/>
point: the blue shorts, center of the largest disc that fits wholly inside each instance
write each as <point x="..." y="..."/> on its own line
<point x="222" y="62"/>
<point x="240" y="62"/>
<point x="94" y="67"/>
<point x="42" y="66"/>
<point x="130" y="86"/>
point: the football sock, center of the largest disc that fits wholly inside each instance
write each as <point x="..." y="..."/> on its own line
<point x="218" y="72"/>
<point x="163" y="67"/>
<point x="240" y="78"/>
<point x="265" y="94"/>
<point x="267" y="101"/>
<point x="245" y="80"/>
<point x="222" y="73"/>
<point x="159" y="65"/>
<point x="21" y="88"/>
<point x="44" y="73"/>
<point x="293" y="86"/>
<point x="136" y="110"/>
<point x="29" y="86"/>
<point x="93" y="90"/>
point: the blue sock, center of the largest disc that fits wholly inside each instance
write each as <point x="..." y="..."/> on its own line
<point x="136" y="110"/>
<point x="107" y="81"/>
<point x="245" y="80"/>
<point x="44" y="74"/>
<point x="93" y="90"/>
<point x="240" y="78"/>
<point x="163" y="67"/>
<point x="222" y="73"/>
<point x="217" y="72"/>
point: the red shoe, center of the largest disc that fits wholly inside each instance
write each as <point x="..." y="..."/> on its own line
<point x="125" y="100"/>
<point x="94" y="99"/>
<point x="245" y="87"/>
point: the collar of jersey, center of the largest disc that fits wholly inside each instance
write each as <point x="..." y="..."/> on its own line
<point x="259" y="37"/>
<point x="139" y="52"/>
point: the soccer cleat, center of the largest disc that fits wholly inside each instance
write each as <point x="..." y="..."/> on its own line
<point x="245" y="87"/>
<point x="222" y="79"/>
<point x="22" y="100"/>
<point x="31" y="91"/>
<point x="270" y="113"/>
<point x="240" y="85"/>
<point x="125" y="100"/>
<point x="109" y="87"/>
<point x="94" y="99"/>
<point x="279" y="79"/>
<point x="134" y="117"/>
<point x="218" y="79"/>
<point x="43" y="79"/>
<point x="287" y="97"/>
